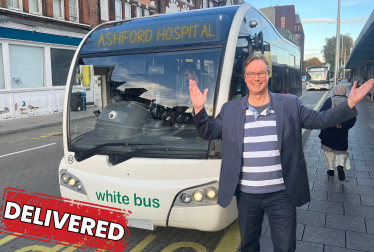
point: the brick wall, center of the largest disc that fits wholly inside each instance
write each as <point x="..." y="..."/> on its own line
<point x="25" y="6"/>
<point x="66" y="9"/>
<point x="47" y="8"/>
<point x="4" y="3"/>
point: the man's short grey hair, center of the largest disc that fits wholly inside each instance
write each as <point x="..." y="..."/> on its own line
<point x="256" y="56"/>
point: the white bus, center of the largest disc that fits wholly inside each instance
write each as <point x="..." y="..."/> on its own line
<point x="129" y="140"/>
<point x="317" y="78"/>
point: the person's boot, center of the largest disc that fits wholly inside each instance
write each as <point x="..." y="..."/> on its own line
<point x="341" y="173"/>
<point x="330" y="172"/>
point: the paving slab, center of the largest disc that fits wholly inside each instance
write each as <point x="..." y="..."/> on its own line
<point x="322" y="235"/>
<point x="302" y="246"/>
<point x="364" y="190"/>
<point x="318" y="195"/>
<point x="365" y="182"/>
<point x="345" y="222"/>
<point x="343" y="197"/>
<point x="369" y="225"/>
<point x="367" y="200"/>
<point x="311" y="218"/>
<point x="364" y="167"/>
<point x="346" y="181"/>
<point x="329" y="187"/>
<point x="359" y="210"/>
<point x="360" y="241"/>
<point x="326" y="207"/>
<point x="336" y="249"/>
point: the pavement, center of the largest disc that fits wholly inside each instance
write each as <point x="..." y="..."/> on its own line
<point x="11" y="126"/>
<point x="339" y="218"/>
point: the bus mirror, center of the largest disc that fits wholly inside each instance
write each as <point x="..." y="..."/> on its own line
<point x="253" y="23"/>
<point x="86" y="76"/>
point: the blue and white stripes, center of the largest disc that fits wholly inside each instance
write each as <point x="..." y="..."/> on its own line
<point x="262" y="169"/>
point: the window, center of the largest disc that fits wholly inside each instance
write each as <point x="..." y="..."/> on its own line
<point x="211" y="4"/>
<point x="60" y="64"/>
<point x="146" y="12"/>
<point x="58" y="7"/>
<point x="35" y="6"/>
<point x="2" y="80"/>
<point x="118" y="10"/>
<point x="205" y="4"/>
<point x="73" y="10"/>
<point x="138" y="11"/>
<point x="127" y="11"/>
<point x="15" y="4"/>
<point x="26" y="66"/>
<point x="298" y="36"/>
<point x="283" y="22"/>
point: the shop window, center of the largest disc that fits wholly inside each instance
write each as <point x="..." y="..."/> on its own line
<point x="211" y="4"/>
<point x="146" y="13"/>
<point x="118" y="10"/>
<point x="15" y="4"/>
<point x="138" y="11"/>
<point x="2" y="79"/>
<point x="73" y="10"/>
<point x="127" y="11"/>
<point x="60" y="64"/>
<point x="58" y="8"/>
<point x="26" y="66"/>
<point x="35" y="6"/>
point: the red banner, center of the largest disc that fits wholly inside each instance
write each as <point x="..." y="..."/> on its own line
<point x="48" y="218"/>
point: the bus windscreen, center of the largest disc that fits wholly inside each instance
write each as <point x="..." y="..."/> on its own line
<point x="135" y="35"/>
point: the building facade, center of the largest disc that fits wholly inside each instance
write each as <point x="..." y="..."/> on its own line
<point x="288" y="24"/>
<point x="38" y="39"/>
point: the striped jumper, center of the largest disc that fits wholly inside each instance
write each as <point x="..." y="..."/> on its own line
<point x="262" y="170"/>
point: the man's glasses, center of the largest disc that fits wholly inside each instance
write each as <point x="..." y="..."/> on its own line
<point x="252" y="75"/>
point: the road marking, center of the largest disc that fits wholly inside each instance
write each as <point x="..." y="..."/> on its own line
<point x="40" y="137"/>
<point x="231" y="240"/>
<point x="144" y="243"/>
<point x="8" y="238"/>
<point x="317" y="106"/>
<point x="27" y="150"/>
<point x="196" y="246"/>
<point x="40" y="248"/>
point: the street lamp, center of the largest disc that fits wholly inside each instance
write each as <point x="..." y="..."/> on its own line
<point x="337" y="53"/>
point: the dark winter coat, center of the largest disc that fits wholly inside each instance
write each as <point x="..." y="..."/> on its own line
<point x="334" y="138"/>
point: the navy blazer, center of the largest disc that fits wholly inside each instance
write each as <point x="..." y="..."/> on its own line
<point x="291" y="117"/>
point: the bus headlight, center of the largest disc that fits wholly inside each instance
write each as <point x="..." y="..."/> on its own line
<point x="198" y="196"/>
<point x="64" y="178"/>
<point x="70" y="181"/>
<point x="185" y="198"/>
<point x="212" y="193"/>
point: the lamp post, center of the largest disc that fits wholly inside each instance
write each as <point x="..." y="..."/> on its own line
<point x="337" y="53"/>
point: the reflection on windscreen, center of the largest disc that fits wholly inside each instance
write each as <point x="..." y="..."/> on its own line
<point x="143" y="98"/>
<point x="317" y="76"/>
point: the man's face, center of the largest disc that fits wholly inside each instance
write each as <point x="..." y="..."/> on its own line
<point x="256" y="77"/>
<point x="188" y="75"/>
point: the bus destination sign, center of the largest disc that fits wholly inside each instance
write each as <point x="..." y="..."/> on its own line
<point x="130" y="35"/>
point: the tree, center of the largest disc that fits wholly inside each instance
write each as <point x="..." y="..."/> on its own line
<point x="328" y="50"/>
<point x="311" y="62"/>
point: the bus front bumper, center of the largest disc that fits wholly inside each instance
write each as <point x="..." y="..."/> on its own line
<point x="317" y="86"/>
<point x="205" y="218"/>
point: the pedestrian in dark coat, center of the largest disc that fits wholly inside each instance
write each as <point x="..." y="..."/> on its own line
<point x="334" y="140"/>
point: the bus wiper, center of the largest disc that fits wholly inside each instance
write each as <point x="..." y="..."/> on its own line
<point x="80" y="156"/>
<point x="116" y="159"/>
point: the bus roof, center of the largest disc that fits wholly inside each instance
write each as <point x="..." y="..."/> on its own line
<point x="205" y="26"/>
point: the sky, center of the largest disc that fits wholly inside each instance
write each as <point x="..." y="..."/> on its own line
<point x="319" y="19"/>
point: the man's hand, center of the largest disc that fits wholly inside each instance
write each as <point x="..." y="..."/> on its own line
<point x="357" y="94"/>
<point x="198" y="99"/>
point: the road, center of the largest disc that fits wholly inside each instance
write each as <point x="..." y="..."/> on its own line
<point x="30" y="159"/>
